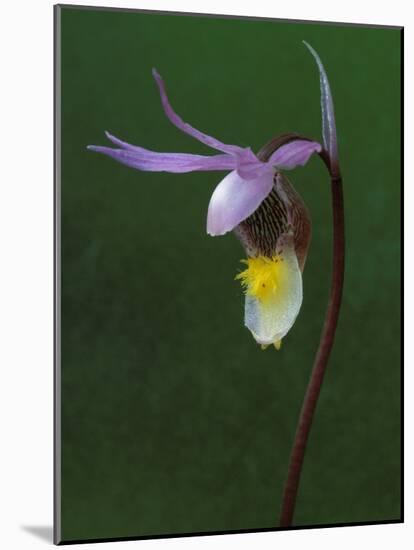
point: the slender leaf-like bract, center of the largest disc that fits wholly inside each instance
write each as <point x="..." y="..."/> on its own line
<point x="328" y="115"/>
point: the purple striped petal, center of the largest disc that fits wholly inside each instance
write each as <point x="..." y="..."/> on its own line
<point x="235" y="199"/>
<point x="183" y="126"/>
<point x="295" y="153"/>
<point x="151" y="161"/>
<point x="328" y="115"/>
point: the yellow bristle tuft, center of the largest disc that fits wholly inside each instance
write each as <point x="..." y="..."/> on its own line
<point x="263" y="276"/>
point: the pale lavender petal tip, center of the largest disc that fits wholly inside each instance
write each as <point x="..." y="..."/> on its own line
<point x="295" y="153"/>
<point x="249" y="166"/>
<point x="235" y="199"/>
<point x="328" y="115"/>
<point x="185" y="127"/>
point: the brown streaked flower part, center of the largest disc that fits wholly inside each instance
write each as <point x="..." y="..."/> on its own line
<point x="282" y="211"/>
<point x="276" y="238"/>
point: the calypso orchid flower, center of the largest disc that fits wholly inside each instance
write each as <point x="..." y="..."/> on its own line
<point x="256" y="201"/>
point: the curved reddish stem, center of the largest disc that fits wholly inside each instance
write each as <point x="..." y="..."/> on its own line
<point x="325" y="346"/>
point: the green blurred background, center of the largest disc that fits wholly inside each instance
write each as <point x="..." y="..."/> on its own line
<point x="173" y="419"/>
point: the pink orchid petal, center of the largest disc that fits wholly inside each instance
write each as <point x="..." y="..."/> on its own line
<point x="294" y="153"/>
<point x="151" y="161"/>
<point x="124" y="144"/>
<point x="249" y="166"/>
<point x="328" y="115"/>
<point x="235" y="199"/>
<point x="183" y="126"/>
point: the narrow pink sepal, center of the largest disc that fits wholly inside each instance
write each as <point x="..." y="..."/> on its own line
<point x="152" y="161"/>
<point x="184" y="127"/>
<point x="294" y="153"/>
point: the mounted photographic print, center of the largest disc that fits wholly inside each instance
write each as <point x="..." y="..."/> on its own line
<point x="228" y="274"/>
